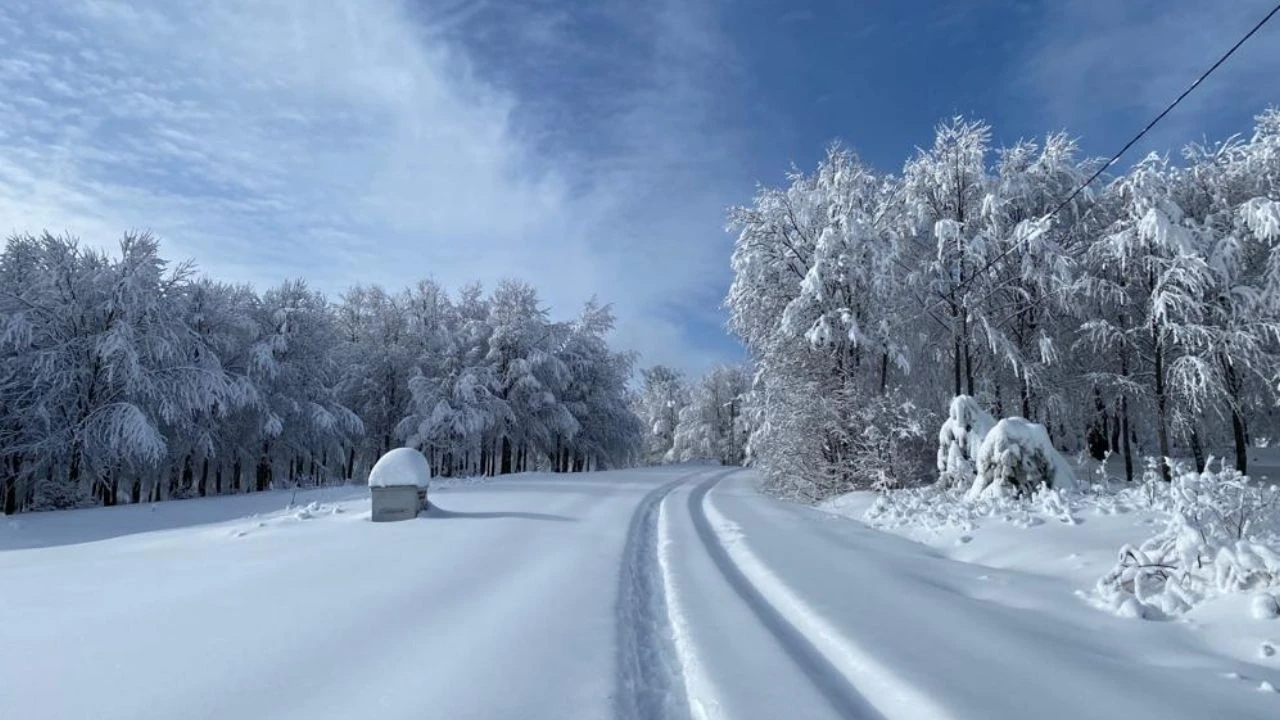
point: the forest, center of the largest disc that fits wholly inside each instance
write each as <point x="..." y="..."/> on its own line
<point x="124" y="378"/>
<point x="1136" y="318"/>
<point x="1133" y="317"/>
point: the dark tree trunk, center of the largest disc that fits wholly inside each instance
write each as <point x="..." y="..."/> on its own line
<point x="202" y="488"/>
<point x="968" y="353"/>
<point x="1162" y="401"/>
<point x="506" y="455"/>
<point x="263" y="479"/>
<point x="1242" y="441"/>
<point x="1097" y="435"/>
<point x="957" y="365"/>
<point x="1239" y="429"/>
<point x="1025" y="388"/>
<point x="10" y="495"/>
<point x="1197" y="450"/>
<point x="1126" y="438"/>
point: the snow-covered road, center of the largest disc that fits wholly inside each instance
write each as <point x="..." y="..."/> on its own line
<point x="658" y="593"/>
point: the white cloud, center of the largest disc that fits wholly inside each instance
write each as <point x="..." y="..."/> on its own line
<point x="1093" y="61"/>
<point x="347" y="141"/>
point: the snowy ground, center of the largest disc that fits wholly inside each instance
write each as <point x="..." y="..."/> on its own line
<point x="659" y="593"/>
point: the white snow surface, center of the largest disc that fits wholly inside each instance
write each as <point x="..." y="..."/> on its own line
<point x="676" y="592"/>
<point x="401" y="466"/>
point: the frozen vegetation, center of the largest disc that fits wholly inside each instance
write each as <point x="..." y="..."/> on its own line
<point x="1060" y="396"/>
<point x="1139" y="319"/>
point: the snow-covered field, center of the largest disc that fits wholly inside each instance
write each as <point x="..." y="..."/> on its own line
<point x="675" y="592"/>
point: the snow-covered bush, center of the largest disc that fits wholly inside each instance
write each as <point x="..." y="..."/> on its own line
<point x="1265" y="606"/>
<point x="851" y="441"/>
<point x="959" y="440"/>
<point x="1018" y="455"/>
<point x="1222" y="537"/>
<point x="938" y="507"/>
<point x="889" y="446"/>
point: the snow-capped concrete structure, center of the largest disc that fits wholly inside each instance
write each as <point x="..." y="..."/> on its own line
<point x="398" y="485"/>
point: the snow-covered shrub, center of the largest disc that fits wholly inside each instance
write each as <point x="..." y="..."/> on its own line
<point x="937" y="507"/>
<point x="889" y="445"/>
<point x="851" y="440"/>
<point x="959" y="440"/>
<point x="1221" y="538"/>
<point x="1265" y="606"/>
<point x="1017" y="454"/>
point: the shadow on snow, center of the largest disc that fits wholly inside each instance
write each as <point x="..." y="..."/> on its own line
<point x="436" y="512"/>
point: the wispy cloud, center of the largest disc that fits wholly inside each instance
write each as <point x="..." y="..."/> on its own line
<point x="1103" y="68"/>
<point x="378" y="141"/>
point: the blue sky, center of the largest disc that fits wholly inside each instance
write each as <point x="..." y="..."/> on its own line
<point x="588" y="147"/>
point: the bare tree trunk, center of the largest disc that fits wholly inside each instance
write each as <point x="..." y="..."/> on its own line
<point x="955" y="351"/>
<point x="968" y="364"/>
<point x="1162" y="401"/>
<point x="9" y="496"/>
<point x="263" y="478"/>
<point x="1025" y="388"/>
<point x="1239" y="430"/>
<point x="1242" y="442"/>
<point x="1197" y="450"/>
<point x="506" y="456"/>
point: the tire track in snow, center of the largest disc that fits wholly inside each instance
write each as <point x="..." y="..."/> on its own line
<point x="650" y="681"/>
<point x="702" y="694"/>
<point x="827" y="678"/>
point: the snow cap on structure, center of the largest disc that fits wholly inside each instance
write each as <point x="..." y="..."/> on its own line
<point x="400" y="467"/>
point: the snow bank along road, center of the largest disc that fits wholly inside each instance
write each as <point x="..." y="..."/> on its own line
<point x="658" y="593"/>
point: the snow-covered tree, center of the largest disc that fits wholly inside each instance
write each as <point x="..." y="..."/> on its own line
<point x="111" y="375"/>
<point x="124" y="379"/>
<point x="1136" y="316"/>
<point x="661" y="398"/>
<point x="713" y="425"/>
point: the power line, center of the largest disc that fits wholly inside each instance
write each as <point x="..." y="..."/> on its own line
<point x="1115" y="158"/>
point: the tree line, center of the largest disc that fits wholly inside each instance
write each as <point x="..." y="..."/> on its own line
<point x="1141" y="317"/>
<point x="124" y="378"/>
<point x="705" y="420"/>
